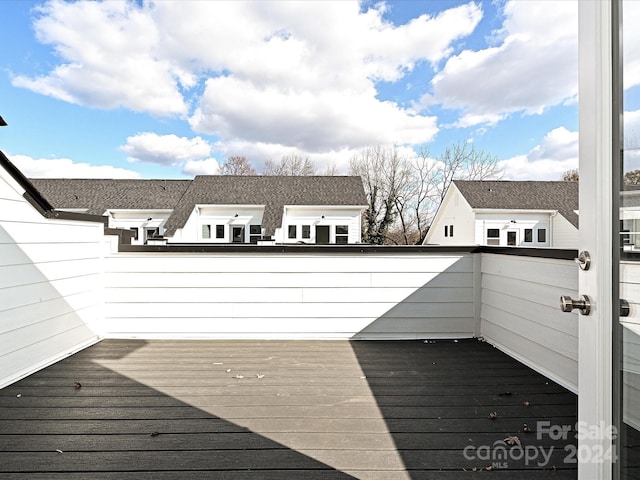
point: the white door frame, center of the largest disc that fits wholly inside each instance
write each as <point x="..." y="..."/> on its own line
<point x="596" y="230"/>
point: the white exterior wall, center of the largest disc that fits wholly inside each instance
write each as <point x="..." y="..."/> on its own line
<point x="502" y="221"/>
<point x="564" y="234"/>
<point x="228" y="215"/>
<point x="318" y="216"/>
<point x="51" y="290"/>
<point x="454" y="211"/>
<point x="521" y="315"/>
<point x="140" y="220"/>
<point x="289" y="295"/>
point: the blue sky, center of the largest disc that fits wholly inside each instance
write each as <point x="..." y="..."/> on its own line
<point x="171" y="89"/>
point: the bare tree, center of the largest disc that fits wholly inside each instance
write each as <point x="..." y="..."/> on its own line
<point x="417" y="208"/>
<point x="464" y="162"/>
<point x="571" y="175"/>
<point x="331" y="170"/>
<point x="290" y="165"/>
<point x="237" y="165"/>
<point x="404" y="194"/>
<point x="384" y="174"/>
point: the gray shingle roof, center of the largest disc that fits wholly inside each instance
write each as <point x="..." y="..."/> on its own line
<point x="527" y="195"/>
<point x="272" y="191"/>
<point x="98" y="195"/>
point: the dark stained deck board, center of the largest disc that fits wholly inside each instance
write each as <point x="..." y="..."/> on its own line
<point x="323" y="409"/>
<point x="330" y="425"/>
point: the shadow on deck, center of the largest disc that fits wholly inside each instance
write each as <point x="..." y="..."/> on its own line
<point x="286" y="409"/>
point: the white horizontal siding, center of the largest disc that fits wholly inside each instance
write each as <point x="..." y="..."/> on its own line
<point x="521" y="315"/>
<point x="565" y="235"/>
<point x="51" y="289"/>
<point x="285" y="295"/>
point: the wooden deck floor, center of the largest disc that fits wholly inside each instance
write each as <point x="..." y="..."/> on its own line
<point x="284" y="410"/>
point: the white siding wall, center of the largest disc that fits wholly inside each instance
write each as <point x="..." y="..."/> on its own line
<point x="321" y="216"/>
<point x="289" y="295"/>
<point x="454" y="211"/>
<point x="521" y="313"/>
<point x="565" y="235"/>
<point x="523" y="221"/>
<point x="50" y="285"/>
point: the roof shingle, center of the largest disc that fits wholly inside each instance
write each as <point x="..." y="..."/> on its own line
<point x="522" y="195"/>
<point x="99" y="195"/>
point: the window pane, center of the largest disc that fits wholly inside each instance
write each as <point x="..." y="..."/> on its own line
<point x="238" y="234"/>
<point x="219" y="231"/>
<point x="342" y="229"/>
<point x="306" y="231"/>
<point x="446" y="230"/>
<point x="255" y="229"/>
<point x="341" y="239"/>
<point x="528" y="234"/>
<point x="542" y="235"/>
<point x="451" y="230"/>
<point x="206" y="231"/>
<point x="292" y="231"/>
<point x="493" y="233"/>
<point x="135" y="233"/>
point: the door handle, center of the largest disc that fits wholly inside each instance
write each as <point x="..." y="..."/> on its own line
<point x="567" y="304"/>
<point x="625" y="310"/>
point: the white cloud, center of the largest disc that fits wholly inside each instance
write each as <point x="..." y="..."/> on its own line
<point x="631" y="37"/>
<point x="557" y="153"/>
<point x="535" y="66"/>
<point x="235" y="109"/>
<point x="298" y="74"/>
<point x="631" y="140"/>
<point x="67" y="168"/>
<point x="169" y="150"/>
<point x="207" y="166"/>
<point x="110" y="55"/>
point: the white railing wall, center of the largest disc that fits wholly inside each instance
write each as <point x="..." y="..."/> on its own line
<point x="63" y="287"/>
<point x="51" y="291"/>
<point x="521" y="315"/>
<point x="290" y="295"/>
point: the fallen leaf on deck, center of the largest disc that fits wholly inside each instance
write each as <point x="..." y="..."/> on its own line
<point x="526" y="428"/>
<point x="239" y="376"/>
<point x="154" y="434"/>
<point x="526" y="403"/>
<point x="259" y="375"/>
<point x="228" y="370"/>
<point x="489" y="468"/>
<point x="513" y="440"/>
<point x="58" y="450"/>
<point x="19" y="395"/>
<point x="493" y="415"/>
<point x="505" y="394"/>
<point x="77" y="385"/>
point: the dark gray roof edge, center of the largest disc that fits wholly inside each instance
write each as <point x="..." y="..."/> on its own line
<point x="31" y="194"/>
<point x="364" y="249"/>
<point x="37" y="200"/>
